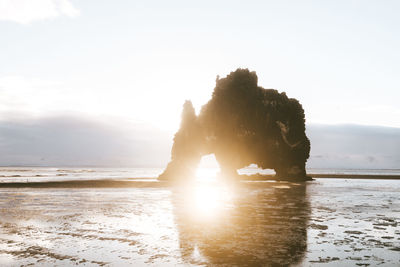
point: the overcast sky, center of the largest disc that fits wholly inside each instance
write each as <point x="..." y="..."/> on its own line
<point x="141" y="59"/>
<point x="137" y="61"/>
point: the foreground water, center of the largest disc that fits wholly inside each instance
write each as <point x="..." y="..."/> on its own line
<point x="325" y="222"/>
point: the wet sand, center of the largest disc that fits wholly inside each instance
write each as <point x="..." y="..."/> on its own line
<point x="153" y="182"/>
<point x="325" y="222"/>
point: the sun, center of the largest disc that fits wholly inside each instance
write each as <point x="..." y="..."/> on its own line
<point x="207" y="169"/>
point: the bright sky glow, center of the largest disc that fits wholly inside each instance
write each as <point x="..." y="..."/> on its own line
<point x="140" y="60"/>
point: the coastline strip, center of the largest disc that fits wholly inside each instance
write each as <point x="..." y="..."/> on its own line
<point x="104" y="183"/>
<point x="357" y="176"/>
<point x="154" y="183"/>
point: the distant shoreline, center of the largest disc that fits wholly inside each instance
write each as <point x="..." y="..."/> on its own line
<point x="356" y="176"/>
<point x="141" y="182"/>
<point x="105" y="183"/>
<point x="261" y="177"/>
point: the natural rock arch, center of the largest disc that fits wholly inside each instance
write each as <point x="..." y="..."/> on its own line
<point x="242" y="124"/>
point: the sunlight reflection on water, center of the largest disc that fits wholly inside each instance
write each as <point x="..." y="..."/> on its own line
<point x="207" y="196"/>
<point x="206" y="199"/>
<point x="210" y="199"/>
<point x="238" y="223"/>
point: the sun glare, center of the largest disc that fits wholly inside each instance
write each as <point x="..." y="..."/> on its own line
<point x="206" y="174"/>
<point x="209" y="200"/>
<point x="207" y="169"/>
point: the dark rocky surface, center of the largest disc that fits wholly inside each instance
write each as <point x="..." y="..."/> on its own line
<point x="242" y="124"/>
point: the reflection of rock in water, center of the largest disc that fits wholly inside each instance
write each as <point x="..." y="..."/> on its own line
<point x="260" y="225"/>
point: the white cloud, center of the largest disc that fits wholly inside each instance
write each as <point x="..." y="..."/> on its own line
<point x="27" y="11"/>
<point x="35" y="97"/>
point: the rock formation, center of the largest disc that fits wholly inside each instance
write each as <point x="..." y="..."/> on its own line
<point x="242" y="124"/>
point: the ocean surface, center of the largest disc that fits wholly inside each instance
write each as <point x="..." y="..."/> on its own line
<point x="37" y="174"/>
<point x="207" y="222"/>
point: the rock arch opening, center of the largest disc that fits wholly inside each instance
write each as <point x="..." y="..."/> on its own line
<point x="208" y="168"/>
<point x="253" y="169"/>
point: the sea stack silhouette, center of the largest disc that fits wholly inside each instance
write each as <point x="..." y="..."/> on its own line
<point x="242" y="124"/>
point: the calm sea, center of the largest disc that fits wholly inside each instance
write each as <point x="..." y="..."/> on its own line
<point x="36" y="174"/>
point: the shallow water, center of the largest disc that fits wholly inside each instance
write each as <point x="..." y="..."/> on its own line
<point x="326" y="222"/>
<point x="41" y="174"/>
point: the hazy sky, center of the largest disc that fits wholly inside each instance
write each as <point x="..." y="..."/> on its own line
<point x="139" y="60"/>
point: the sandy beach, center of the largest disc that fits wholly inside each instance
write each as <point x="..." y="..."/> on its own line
<point x="325" y="222"/>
